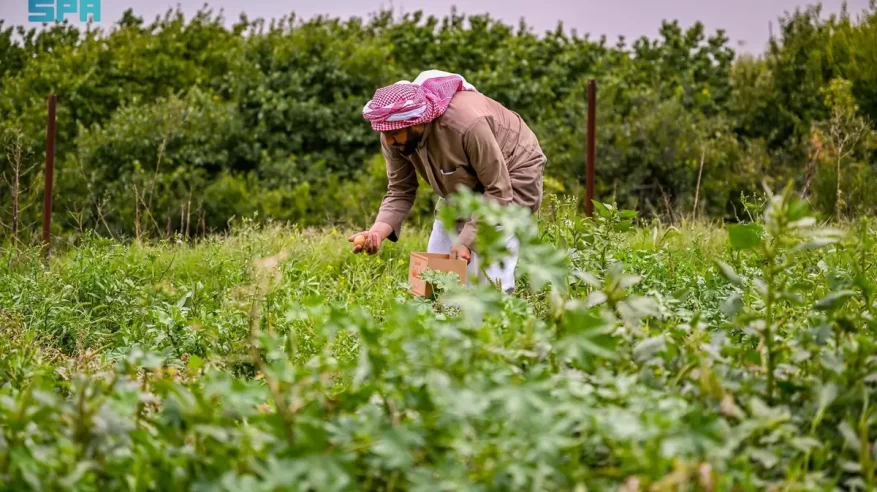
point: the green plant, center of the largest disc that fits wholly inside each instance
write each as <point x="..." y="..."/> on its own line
<point x="155" y="115"/>
<point x="272" y="358"/>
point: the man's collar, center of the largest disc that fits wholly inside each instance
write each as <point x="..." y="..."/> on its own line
<point x="426" y="130"/>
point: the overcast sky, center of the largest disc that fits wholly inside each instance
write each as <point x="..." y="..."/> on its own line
<point x="746" y="21"/>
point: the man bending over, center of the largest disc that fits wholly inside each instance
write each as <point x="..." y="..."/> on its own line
<point x="443" y="129"/>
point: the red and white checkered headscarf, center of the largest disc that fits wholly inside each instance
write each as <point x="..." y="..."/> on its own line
<point x="406" y="103"/>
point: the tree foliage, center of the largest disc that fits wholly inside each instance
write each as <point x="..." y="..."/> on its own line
<point x="180" y="109"/>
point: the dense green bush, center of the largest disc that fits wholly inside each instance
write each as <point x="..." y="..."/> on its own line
<point x="170" y="112"/>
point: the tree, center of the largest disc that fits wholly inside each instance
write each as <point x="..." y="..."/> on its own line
<point x="844" y="138"/>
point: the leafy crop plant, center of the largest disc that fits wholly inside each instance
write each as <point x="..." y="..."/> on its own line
<point x="631" y="356"/>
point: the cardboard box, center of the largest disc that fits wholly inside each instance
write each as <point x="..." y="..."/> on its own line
<point x="421" y="262"/>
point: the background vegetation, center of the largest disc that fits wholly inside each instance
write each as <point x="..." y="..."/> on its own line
<point x="179" y="125"/>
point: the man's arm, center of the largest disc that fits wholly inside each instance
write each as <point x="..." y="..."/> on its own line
<point x="485" y="157"/>
<point x="401" y="192"/>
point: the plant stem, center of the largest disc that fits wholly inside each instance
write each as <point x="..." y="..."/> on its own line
<point x="865" y="446"/>
<point x="768" y="328"/>
<point x="697" y="190"/>
<point x="272" y="383"/>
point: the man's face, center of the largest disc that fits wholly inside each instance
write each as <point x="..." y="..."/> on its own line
<point x="404" y="140"/>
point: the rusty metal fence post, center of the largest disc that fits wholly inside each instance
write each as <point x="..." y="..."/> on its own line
<point x="591" y="157"/>
<point x="50" y="176"/>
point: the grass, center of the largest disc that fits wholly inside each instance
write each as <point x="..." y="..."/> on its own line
<point x="273" y="359"/>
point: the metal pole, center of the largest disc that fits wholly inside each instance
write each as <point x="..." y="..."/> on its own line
<point x="50" y="176"/>
<point x="592" y="135"/>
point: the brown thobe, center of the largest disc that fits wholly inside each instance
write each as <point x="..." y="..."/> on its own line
<point x="478" y="144"/>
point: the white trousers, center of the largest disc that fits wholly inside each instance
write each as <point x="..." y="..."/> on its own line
<point x="502" y="271"/>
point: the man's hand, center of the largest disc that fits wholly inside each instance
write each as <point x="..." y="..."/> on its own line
<point x="373" y="238"/>
<point x="461" y="252"/>
<point x="369" y="242"/>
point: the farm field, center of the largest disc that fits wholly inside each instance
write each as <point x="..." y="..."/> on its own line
<point x="632" y="357"/>
<point x="202" y="323"/>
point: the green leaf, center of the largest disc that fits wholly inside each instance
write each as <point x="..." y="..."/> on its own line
<point x="806" y="444"/>
<point x="72" y="479"/>
<point x="792" y="297"/>
<point x="596" y="298"/>
<point x="746" y="236"/>
<point x="182" y="301"/>
<point x="601" y="209"/>
<point x="821" y="334"/>
<point x="815" y="243"/>
<point x="587" y="334"/>
<point x="587" y="278"/>
<point x="766" y="458"/>
<point x="834" y="300"/>
<point x="623" y="226"/>
<point x="831" y="362"/>
<point x="851" y="440"/>
<point x="648" y="348"/>
<point x="395" y="447"/>
<point x="628" y="281"/>
<point x="681" y="294"/>
<point x="855" y="483"/>
<point x="151" y="361"/>
<point x="195" y="363"/>
<point x="635" y="308"/>
<point x="798" y="210"/>
<point x="728" y="272"/>
<point x="731" y="306"/>
<point x="827" y="395"/>
<point x="803" y="223"/>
